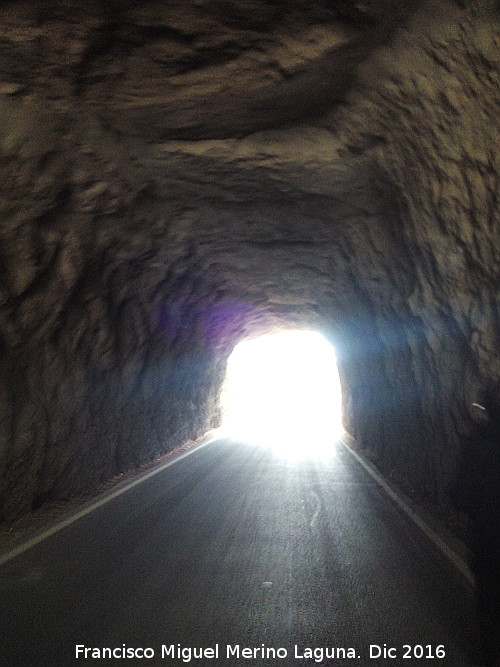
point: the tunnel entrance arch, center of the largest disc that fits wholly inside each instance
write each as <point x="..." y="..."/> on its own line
<point x="282" y="390"/>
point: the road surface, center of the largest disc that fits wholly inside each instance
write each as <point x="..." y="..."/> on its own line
<point x="246" y="557"/>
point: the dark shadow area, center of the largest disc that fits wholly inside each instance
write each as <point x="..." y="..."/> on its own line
<point x="477" y="494"/>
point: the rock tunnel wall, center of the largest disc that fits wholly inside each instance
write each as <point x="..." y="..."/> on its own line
<point x="177" y="176"/>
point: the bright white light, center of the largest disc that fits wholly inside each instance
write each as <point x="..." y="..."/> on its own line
<point x="283" y="390"/>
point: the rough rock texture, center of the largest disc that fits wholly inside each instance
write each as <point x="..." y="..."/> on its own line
<point x="178" y="175"/>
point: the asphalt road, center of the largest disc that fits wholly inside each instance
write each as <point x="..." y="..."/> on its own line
<point x="233" y="547"/>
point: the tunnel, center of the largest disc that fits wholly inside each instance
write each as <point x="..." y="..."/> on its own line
<point x="181" y="178"/>
<point x="282" y="391"/>
<point x="176" y="181"/>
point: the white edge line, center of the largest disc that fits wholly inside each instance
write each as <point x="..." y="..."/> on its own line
<point x="457" y="561"/>
<point x="56" y="527"/>
<point x="93" y="505"/>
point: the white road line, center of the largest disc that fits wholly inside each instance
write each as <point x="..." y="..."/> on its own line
<point x="94" y="504"/>
<point x="457" y="561"/>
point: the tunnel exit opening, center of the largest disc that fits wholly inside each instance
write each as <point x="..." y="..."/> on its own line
<point x="282" y="390"/>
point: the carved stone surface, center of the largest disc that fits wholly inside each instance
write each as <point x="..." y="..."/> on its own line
<point x="178" y="175"/>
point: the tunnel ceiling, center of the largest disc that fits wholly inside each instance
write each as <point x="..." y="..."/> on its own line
<point x="177" y="175"/>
